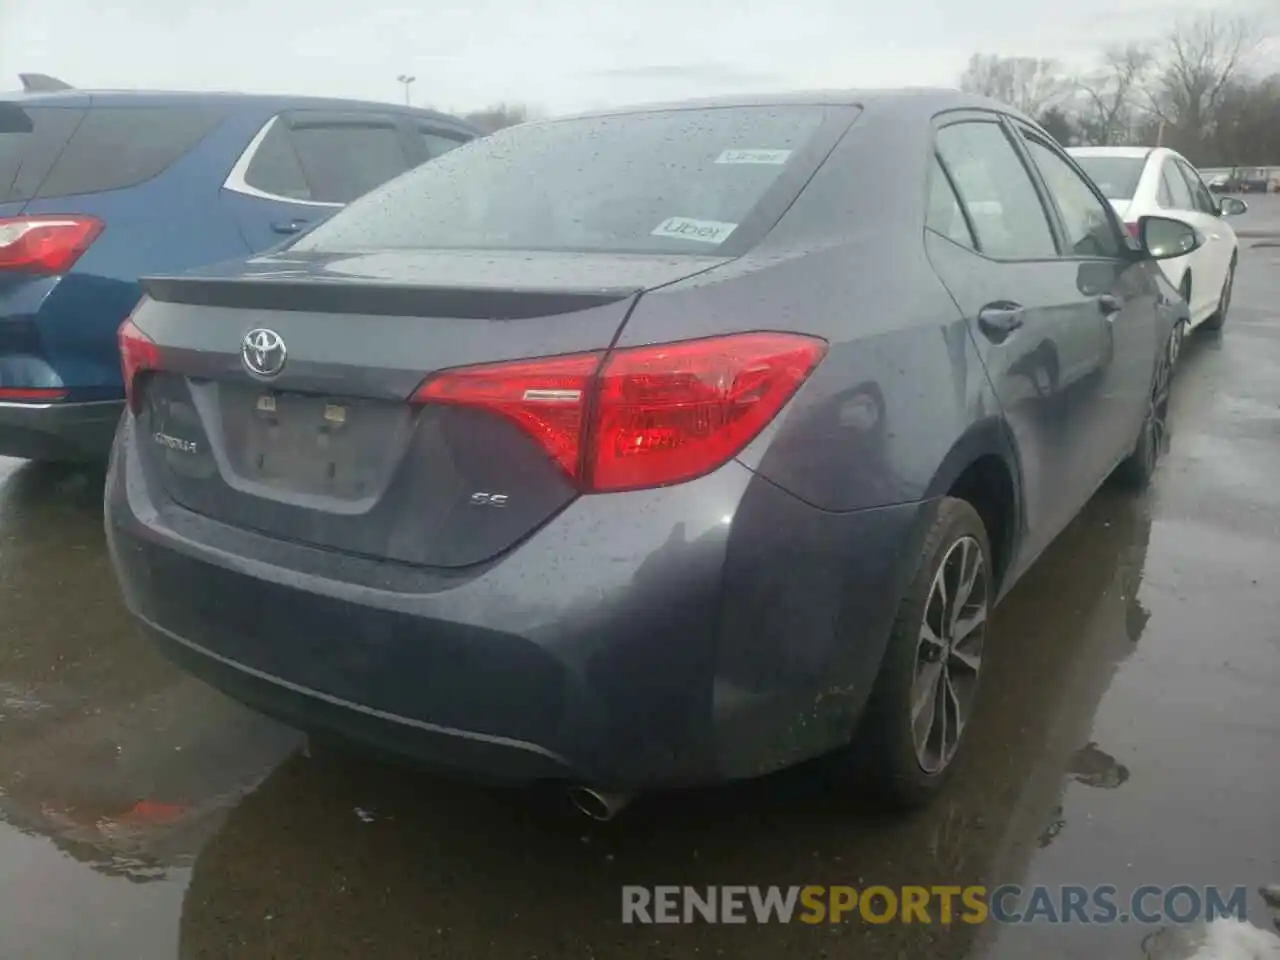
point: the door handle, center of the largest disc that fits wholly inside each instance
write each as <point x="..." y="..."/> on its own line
<point x="288" y="226"/>
<point x="998" y="320"/>
<point x="1110" y="305"/>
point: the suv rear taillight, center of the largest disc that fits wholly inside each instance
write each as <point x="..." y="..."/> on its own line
<point x="32" y="394"/>
<point x="138" y="353"/>
<point x="649" y="416"/>
<point x="46" y="244"/>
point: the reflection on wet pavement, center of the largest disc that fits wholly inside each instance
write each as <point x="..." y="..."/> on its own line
<point x="1129" y="735"/>
<point x="112" y="766"/>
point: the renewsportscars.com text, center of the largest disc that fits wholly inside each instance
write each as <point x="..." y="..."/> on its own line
<point x="1008" y="904"/>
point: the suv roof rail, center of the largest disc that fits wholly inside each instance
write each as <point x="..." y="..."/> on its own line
<point x="42" y="83"/>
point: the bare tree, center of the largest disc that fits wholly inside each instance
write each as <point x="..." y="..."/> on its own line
<point x="1028" y="84"/>
<point x="1204" y="57"/>
<point x="1112" y="95"/>
<point x="502" y="115"/>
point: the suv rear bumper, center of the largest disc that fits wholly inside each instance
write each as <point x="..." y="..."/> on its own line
<point x="58" y="431"/>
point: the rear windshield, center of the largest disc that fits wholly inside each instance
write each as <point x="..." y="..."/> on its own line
<point x="1116" y="177"/>
<point x="30" y="140"/>
<point x="680" y="181"/>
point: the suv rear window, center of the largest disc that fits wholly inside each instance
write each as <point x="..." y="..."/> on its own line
<point x="30" y="140"/>
<point x="117" y="147"/>
<point x="678" y="181"/>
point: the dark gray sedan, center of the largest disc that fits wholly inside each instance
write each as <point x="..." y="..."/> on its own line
<point x="645" y="448"/>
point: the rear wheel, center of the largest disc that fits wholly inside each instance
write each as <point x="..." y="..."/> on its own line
<point x="1219" y="317"/>
<point x="919" y="712"/>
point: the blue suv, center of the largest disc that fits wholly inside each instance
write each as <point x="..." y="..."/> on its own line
<point x="98" y="189"/>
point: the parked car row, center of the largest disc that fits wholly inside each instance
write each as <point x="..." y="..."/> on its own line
<point x="647" y="447"/>
<point x="1257" y="181"/>
<point x="98" y="189"/>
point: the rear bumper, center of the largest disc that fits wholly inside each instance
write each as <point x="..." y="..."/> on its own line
<point x="711" y="631"/>
<point x="58" y="431"/>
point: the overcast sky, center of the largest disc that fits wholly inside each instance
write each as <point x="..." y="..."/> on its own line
<point x="560" y="54"/>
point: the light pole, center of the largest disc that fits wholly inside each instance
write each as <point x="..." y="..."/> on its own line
<point x="406" y="80"/>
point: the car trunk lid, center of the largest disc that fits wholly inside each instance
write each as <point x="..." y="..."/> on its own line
<point x="328" y="450"/>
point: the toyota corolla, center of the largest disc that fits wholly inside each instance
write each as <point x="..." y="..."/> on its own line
<point x="645" y="448"/>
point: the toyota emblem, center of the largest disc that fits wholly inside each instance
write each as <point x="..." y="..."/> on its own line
<point x="263" y="352"/>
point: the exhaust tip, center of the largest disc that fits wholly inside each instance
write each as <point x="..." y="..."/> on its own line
<point x="596" y="805"/>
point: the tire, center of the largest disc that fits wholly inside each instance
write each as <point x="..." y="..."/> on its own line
<point x="1181" y="327"/>
<point x="1137" y="469"/>
<point x="893" y="766"/>
<point x="1219" y="316"/>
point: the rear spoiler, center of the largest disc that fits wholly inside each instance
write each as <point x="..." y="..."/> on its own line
<point x="409" y="300"/>
<point x="42" y="83"/>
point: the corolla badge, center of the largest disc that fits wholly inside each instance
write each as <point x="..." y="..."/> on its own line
<point x="175" y="443"/>
<point x="263" y="352"/>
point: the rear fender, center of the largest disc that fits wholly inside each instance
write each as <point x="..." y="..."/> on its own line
<point x="987" y="437"/>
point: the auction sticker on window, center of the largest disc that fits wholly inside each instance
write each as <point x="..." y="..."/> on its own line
<point x="686" y="228"/>
<point x="775" y="158"/>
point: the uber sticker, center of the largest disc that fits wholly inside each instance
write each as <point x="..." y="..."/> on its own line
<point x="772" y="157"/>
<point x="685" y="228"/>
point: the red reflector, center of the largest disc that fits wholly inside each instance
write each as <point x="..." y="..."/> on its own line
<point x="1133" y="230"/>
<point x="653" y="415"/>
<point x="32" y="394"/>
<point x="138" y="353"/>
<point x="48" y="244"/>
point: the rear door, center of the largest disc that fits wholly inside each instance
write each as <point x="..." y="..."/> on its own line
<point x="1211" y="261"/>
<point x="996" y="246"/>
<point x="305" y="164"/>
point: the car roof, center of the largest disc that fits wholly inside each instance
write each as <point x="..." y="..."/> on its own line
<point x="1132" y="153"/>
<point x="923" y="100"/>
<point x="162" y="98"/>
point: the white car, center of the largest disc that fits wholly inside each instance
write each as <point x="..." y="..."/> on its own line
<point x="1157" y="181"/>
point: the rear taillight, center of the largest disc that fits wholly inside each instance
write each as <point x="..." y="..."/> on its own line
<point x="138" y="353"/>
<point x="1134" y="231"/>
<point x="648" y="417"/>
<point x="48" y="244"/>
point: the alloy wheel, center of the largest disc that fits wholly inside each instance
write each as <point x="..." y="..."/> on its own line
<point x="949" y="654"/>
<point x="1157" y="426"/>
<point x="1224" y="302"/>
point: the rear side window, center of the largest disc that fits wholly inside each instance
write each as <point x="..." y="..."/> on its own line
<point x="1175" y="186"/>
<point x="997" y="192"/>
<point x="275" y="168"/>
<point x="326" y="162"/>
<point x="30" y="140"/>
<point x="116" y="147"/>
<point x="678" y="181"/>
<point x="1202" y="199"/>
<point x="435" y="143"/>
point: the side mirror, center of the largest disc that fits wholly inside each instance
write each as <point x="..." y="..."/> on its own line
<point x="1165" y="239"/>
<point x="1232" y="206"/>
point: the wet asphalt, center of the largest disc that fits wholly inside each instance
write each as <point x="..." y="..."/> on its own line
<point x="1130" y="734"/>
